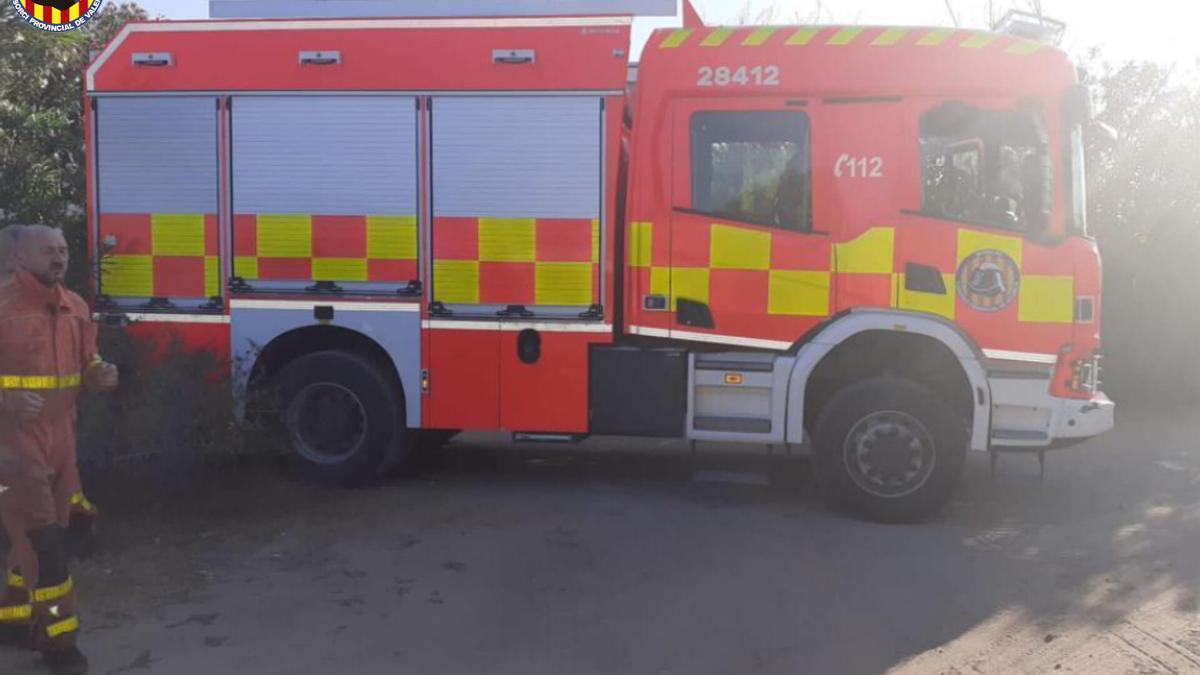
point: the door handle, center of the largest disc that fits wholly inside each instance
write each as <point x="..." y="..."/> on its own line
<point x="654" y="303"/>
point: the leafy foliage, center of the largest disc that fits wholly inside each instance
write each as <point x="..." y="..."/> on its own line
<point x="42" y="163"/>
<point x="1144" y="210"/>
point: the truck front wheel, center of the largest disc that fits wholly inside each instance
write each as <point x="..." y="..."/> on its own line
<point x="889" y="450"/>
<point x="342" y="418"/>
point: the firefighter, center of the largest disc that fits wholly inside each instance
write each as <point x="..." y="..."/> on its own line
<point x="81" y="539"/>
<point x="47" y="354"/>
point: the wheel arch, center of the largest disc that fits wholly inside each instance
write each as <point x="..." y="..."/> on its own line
<point x="877" y="337"/>
<point x="262" y="362"/>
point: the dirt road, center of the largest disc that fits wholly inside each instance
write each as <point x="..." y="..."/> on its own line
<point x="620" y="557"/>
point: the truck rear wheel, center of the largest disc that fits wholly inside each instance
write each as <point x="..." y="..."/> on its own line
<point x="343" y="420"/>
<point x="889" y="450"/>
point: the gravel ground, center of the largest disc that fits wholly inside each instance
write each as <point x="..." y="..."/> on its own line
<point x="633" y="556"/>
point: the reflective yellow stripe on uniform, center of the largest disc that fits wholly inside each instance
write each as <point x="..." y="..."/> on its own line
<point x="15" y="580"/>
<point x="54" y="592"/>
<point x="40" y="382"/>
<point x="65" y="626"/>
<point x="80" y="500"/>
<point x="14" y="613"/>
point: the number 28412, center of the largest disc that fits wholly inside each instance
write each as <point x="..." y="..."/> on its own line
<point x="742" y="76"/>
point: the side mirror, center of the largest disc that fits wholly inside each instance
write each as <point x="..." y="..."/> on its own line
<point x="1038" y="183"/>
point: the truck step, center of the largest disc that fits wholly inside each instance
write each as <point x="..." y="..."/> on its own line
<point x="737" y="396"/>
<point x="745" y="425"/>
<point x="534" y="437"/>
<point x="1019" y="435"/>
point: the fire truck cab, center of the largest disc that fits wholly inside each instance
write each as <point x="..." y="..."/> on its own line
<point x="867" y="243"/>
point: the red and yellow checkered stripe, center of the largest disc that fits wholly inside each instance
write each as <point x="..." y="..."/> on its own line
<point x="743" y="268"/>
<point x="846" y="36"/>
<point x="863" y="264"/>
<point x="160" y="255"/>
<point x="752" y="270"/>
<point x="304" y="247"/>
<point x="516" y="261"/>
<point x="54" y="16"/>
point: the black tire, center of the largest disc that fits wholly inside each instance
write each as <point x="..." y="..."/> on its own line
<point x="341" y="417"/>
<point x="889" y="450"/>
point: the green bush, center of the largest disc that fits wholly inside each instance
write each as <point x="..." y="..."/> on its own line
<point x="169" y="428"/>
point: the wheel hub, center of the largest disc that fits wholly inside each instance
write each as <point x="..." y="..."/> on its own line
<point x="889" y="454"/>
<point x="327" y="422"/>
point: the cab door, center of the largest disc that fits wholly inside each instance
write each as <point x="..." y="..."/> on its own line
<point x="747" y="265"/>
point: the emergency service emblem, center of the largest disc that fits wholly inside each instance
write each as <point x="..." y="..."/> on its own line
<point x="57" y="16"/>
<point x="988" y="280"/>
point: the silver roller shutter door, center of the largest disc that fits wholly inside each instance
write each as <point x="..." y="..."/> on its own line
<point x="520" y="158"/>
<point x="516" y="157"/>
<point x="157" y="155"/>
<point x="333" y="155"/>
<point x="157" y="163"/>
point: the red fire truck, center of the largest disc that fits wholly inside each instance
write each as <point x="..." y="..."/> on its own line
<point x="865" y="242"/>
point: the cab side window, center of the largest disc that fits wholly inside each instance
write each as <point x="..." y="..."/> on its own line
<point x="984" y="166"/>
<point x="754" y="167"/>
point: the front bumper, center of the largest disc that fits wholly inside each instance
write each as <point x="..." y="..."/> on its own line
<point x="1075" y="418"/>
<point x="1024" y="414"/>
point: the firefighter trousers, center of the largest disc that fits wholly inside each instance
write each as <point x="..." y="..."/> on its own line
<point x="40" y="593"/>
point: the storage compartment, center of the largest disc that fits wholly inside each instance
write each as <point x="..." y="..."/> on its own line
<point x="638" y="392"/>
<point x="517" y="192"/>
<point x="464" y="380"/>
<point x="157" y="167"/>
<point x="325" y="192"/>
<point x="541" y="388"/>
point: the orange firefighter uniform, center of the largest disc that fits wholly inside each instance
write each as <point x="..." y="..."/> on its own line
<point x="47" y="346"/>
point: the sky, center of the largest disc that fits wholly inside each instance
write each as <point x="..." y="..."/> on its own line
<point x="1153" y="30"/>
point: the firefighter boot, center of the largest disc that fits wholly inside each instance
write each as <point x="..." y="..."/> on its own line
<point x="69" y="661"/>
<point x="55" y="625"/>
<point x="16" y="612"/>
